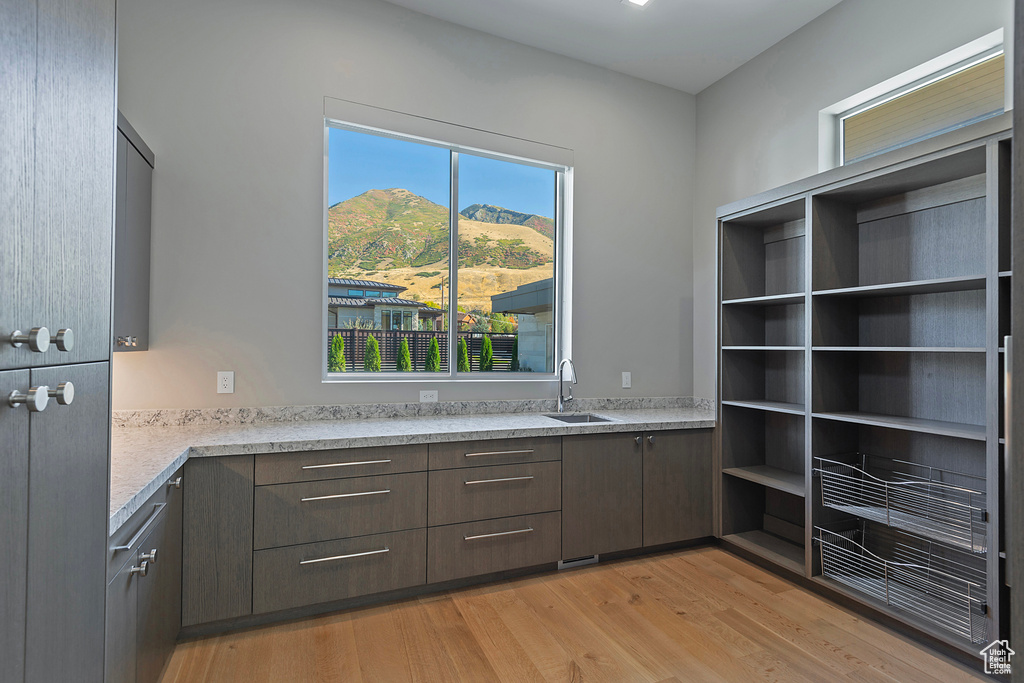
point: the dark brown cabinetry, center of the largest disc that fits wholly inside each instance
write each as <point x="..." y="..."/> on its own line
<point x="677" y="486"/>
<point x="602" y="494"/>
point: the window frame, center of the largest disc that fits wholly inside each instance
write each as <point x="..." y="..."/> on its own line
<point x="562" y="241"/>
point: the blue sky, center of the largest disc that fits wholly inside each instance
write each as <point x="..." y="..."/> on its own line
<point x="359" y="162"/>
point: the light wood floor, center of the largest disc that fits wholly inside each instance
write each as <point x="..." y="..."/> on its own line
<point x="692" y="615"/>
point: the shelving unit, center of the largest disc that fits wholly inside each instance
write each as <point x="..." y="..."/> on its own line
<point x="860" y="330"/>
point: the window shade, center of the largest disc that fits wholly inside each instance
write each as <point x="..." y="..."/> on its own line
<point x="960" y="98"/>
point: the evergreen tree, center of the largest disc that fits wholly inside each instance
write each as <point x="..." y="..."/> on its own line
<point x="336" y="356"/>
<point x="404" y="359"/>
<point x="463" y="356"/>
<point x="371" y="360"/>
<point x="515" y="354"/>
<point x="433" y="356"/>
<point x="486" y="355"/>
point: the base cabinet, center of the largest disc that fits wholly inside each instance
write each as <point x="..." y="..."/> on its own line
<point x="677" y="486"/>
<point x="144" y="599"/>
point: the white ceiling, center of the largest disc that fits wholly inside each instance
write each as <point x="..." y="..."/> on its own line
<point x="684" y="44"/>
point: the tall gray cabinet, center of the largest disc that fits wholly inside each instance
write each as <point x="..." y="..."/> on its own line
<point x="56" y="188"/>
<point x="861" y="369"/>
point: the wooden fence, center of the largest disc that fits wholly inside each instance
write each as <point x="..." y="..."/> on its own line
<point x="419" y="343"/>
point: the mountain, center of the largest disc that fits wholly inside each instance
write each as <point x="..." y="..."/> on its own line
<point x="485" y="213"/>
<point x="396" y="236"/>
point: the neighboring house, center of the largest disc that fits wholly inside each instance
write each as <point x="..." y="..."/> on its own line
<point x="533" y="304"/>
<point x="376" y="303"/>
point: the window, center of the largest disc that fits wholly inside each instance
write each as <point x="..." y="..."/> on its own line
<point x="355" y="292"/>
<point x="486" y="276"/>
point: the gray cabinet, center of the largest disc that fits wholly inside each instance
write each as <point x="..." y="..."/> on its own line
<point x="14" y="525"/>
<point x="144" y="609"/>
<point x="602" y="494"/>
<point x="132" y="239"/>
<point x="677" y="486"/>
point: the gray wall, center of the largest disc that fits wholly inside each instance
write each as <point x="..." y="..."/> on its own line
<point x="229" y="94"/>
<point x="757" y="128"/>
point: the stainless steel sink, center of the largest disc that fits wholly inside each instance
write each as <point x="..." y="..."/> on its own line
<point x="574" y="418"/>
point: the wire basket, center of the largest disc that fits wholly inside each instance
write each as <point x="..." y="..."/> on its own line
<point x="944" y="506"/>
<point x="935" y="587"/>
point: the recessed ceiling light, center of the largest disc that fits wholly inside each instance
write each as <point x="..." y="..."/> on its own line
<point x="638" y="3"/>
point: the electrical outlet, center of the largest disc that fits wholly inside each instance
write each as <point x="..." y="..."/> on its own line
<point x="226" y="382"/>
<point x="428" y="396"/>
<point x="627" y="380"/>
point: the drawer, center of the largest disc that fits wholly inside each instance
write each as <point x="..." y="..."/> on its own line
<point x="445" y="456"/>
<point x="338" y="463"/>
<point x="124" y="543"/>
<point x="475" y="493"/>
<point x="336" y="570"/>
<point x="461" y="550"/>
<point x="289" y="514"/>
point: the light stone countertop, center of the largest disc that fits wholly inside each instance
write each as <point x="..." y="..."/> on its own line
<point x="144" y="458"/>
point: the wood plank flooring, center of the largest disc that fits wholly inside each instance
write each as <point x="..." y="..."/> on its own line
<point x="692" y="615"/>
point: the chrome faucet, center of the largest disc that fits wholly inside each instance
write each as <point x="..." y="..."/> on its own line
<point x="562" y="399"/>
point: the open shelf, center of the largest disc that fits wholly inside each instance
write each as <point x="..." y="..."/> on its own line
<point x="1006" y="273"/>
<point x="912" y="424"/>
<point x="771" y="300"/>
<point x="772" y="477"/>
<point x="771" y="406"/>
<point x="770" y="547"/>
<point x="903" y="349"/>
<point x="762" y="348"/>
<point x="942" y="284"/>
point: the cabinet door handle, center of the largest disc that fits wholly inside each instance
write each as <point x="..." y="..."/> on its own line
<point x="494" y="481"/>
<point x="64" y="393"/>
<point x="141" y="570"/>
<point x="345" y="557"/>
<point x="65" y="339"/>
<point x="35" y="399"/>
<point x="345" y="464"/>
<point x="527" y="450"/>
<point x="150" y="556"/>
<point x="142" y="530"/>
<point x="638" y="440"/>
<point x="650" y="439"/>
<point x="38" y="339"/>
<point x="174" y="483"/>
<point x="346" y="495"/>
<point x="500" y="533"/>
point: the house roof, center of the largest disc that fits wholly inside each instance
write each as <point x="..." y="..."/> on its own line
<point x="357" y="302"/>
<point x="364" y="283"/>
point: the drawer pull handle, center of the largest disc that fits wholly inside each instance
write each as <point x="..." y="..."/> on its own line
<point x="346" y="495"/>
<point x="495" y="481"/>
<point x="345" y="464"/>
<point x="500" y="533"/>
<point x="345" y="557"/>
<point x="473" y="455"/>
<point x="138" y="534"/>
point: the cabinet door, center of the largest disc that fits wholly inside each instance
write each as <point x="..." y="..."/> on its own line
<point x="67" y="256"/>
<point x="69" y="512"/>
<point x="122" y="625"/>
<point x="17" y="164"/>
<point x="602" y="489"/>
<point x="13" y="524"/>
<point x="131" y="261"/>
<point x="677" y="486"/>
<point x="159" y="615"/>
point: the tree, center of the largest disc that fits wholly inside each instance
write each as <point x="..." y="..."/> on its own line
<point x="404" y="359"/>
<point x="371" y="360"/>
<point x="486" y="355"/>
<point x="463" y="356"/>
<point x="515" y="354"/>
<point x="433" y="356"/>
<point x="336" y="357"/>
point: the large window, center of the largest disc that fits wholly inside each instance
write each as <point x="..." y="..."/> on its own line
<point x="415" y="287"/>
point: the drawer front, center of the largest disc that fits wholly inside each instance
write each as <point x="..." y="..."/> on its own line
<point x="139" y="524"/>
<point x="474" y="493"/>
<point x="289" y="514"/>
<point x="496" y="545"/>
<point x="339" y="463"/>
<point x="445" y="456"/>
<point x="336" y="570"/>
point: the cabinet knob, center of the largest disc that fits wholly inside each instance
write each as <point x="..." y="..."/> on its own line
<point x="174" y="483"/>
<point x="65" y="339"/>
<point x="650" y="439"/>
<point x="38" y="339"/>
<point x="35" y="400"/>
<point x="127" y="340"/>
<point x="638" y="439"/>
<point x="64" y="393"/>
<point x="141" y="570"/>
<point x="148" y="557"/>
